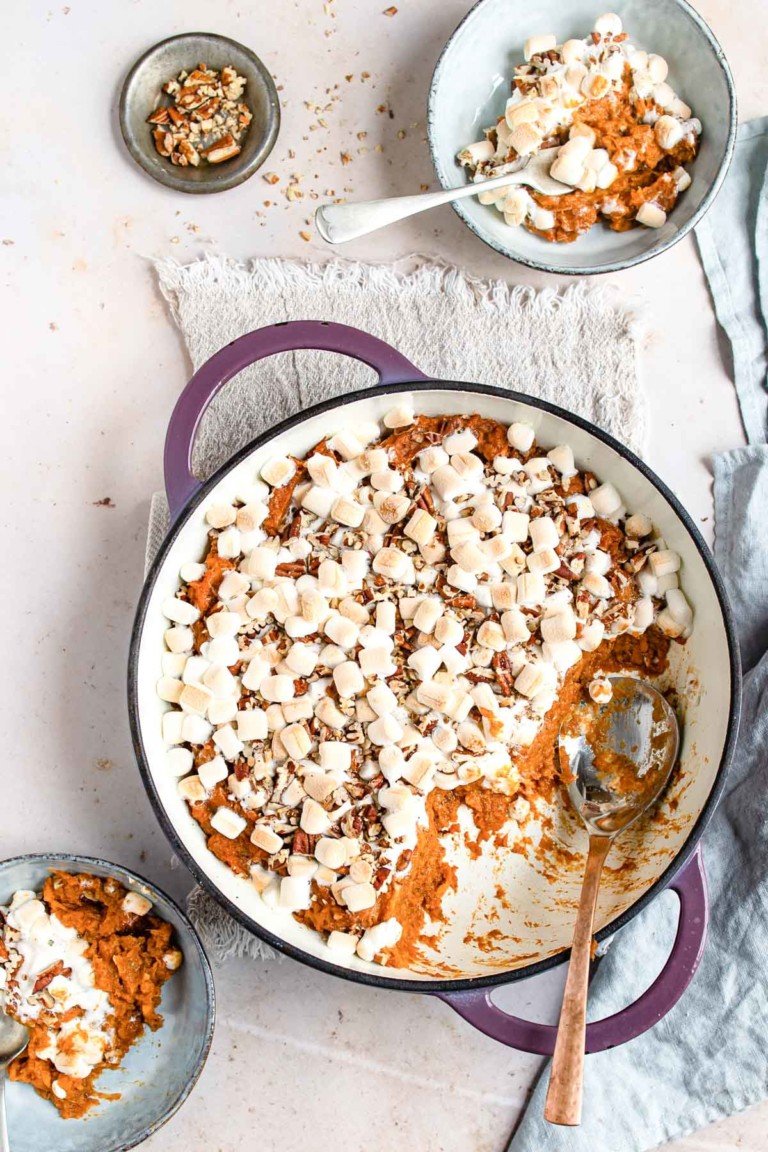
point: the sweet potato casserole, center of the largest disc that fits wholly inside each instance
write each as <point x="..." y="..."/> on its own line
<point x="386" y="631"/>
<point x="82" y="965"/>
<point x="618" y="133"/>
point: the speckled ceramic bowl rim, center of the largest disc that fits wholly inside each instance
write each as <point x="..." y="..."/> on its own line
<point x="120" y="872"/>
<point x="617" y="265"/>
<point x="239" y="174"/>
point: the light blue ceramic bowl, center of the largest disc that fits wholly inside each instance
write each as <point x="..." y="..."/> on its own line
<point x="470" y="87"/>
<point x="160" y="1070"/>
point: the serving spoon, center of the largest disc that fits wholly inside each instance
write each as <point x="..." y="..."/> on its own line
<point x="337" y="223"/>
<point x="14" y="1038"/>
<point x="618" y="757"/>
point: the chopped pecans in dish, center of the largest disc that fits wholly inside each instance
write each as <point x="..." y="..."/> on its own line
<point x="206" y="119"/>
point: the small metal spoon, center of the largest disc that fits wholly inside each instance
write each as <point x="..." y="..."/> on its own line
<point x="619" y="757"/>
<point x="14" y="1038"/>
<point x="337" y="223"/>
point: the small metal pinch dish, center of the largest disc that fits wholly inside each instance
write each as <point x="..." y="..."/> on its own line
<point x="142" y="94"/>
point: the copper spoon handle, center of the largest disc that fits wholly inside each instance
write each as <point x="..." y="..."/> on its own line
<point x="566" y="1078"/>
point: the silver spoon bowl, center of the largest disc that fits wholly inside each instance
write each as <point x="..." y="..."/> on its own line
<point x="14" y="1038"/>
<point x="620" y="754"/>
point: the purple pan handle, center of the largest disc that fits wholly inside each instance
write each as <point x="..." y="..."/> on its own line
<point x="691" y="888"/>
<point x="392" y="368"/>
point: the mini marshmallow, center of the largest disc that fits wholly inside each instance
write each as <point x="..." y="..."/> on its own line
<point x="503" y="596"/>
<point x="391" y="563"/>
<point x="359" y="897"/>
<point x="314" y="819"/>
<point x="180" y="611"/>
<point x="682" y="179"/>
<point x="191" y="573"/>
<point x="638" y="526"/>
<point x="252" y="724"/>
<point x="421" y="527"/>
<point x="385" y="729"/>
<point x="295" y="893"/>
<point x="608" y="25"/>
<point x="179" y="639"/>
<point x="657" y="68"/>
<point x="428" y="613"/>
<point x="341" y="631"/>
<point x="226" y="740"/>
<point x="387" y="480"/>
<point x="327" y="713"/>
<point x="534" y="679"/>
<point x="401" y="415"/>
<point x="391" y="509"/>
<point x="664" y="563"/>
<point x="597" y="586"/>
<point x="322" y="469"/>
<point x="135" y="904"/>
<point x="514" y="625"/>
<point x="172" y="727"/>
<point x="606" y="501"/>
<point x="491" y="635"/>
<point x="169" y="689"/>
<point x="591" y="636"/>
<point x="449" y="631"/>
<point x="651" y="215"/>
<point x="347" y="512"/>
<point x="277" y="688"/>
<point x="220" y="515"/>
<point x="250" y="517"/>
<point x="195" y="729"/>
<point x="537" y="45"/>
<point x="559" y="626"/>
<point x="180" y="761"/>
<point x="348" y="679"/>
<point x="531" y="589"/>
<point x="278" y="471"/>
<point x="376" y="663"/>
<point x="679" y="608"/>
<point x="525" y="139"/>
<point x="213" y="772"/>
<point x="668" y="132"/>
<point x="192" y="790"/>
<point x="544" y="534"/>
<point x="381" y="699"/>
<point x="195" y="698"/>
<point x="296" y="741"/>
<point x="432" y="458"/>
<point x="319" y="501"/>
<point x="425" y="662"/>
<point x="228" y="823"/>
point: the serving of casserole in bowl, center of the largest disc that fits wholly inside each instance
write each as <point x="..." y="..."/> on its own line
<point x="352" y="653"/>
<point x="636" y="107"/>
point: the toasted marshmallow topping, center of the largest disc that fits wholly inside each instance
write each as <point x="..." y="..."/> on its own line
<point x="416" y="640"/>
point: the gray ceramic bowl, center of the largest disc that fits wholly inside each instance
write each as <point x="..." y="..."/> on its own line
<point x="470" y="87"/>
<point x="160" y="1070"/>
<point x="141" y="95"/>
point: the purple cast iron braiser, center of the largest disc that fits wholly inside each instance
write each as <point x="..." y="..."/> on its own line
<point x="472" y="1002"/>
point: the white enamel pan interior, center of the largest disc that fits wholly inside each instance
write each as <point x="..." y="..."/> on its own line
<point x="536" y="921"/>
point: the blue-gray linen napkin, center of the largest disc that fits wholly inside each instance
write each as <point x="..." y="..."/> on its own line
<point x="709" y="1057"/>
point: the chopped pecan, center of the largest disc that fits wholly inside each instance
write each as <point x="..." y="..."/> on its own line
<point x="45" y="978"/>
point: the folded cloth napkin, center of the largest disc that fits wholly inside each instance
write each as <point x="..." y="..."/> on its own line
<point x="708" y="1058"/>
<point x="451" y="325"/>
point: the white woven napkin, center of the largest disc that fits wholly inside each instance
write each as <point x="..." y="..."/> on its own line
<point x="578" y="349"/>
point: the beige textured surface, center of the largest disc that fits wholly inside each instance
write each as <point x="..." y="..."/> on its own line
<point x="92" y="367"/>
